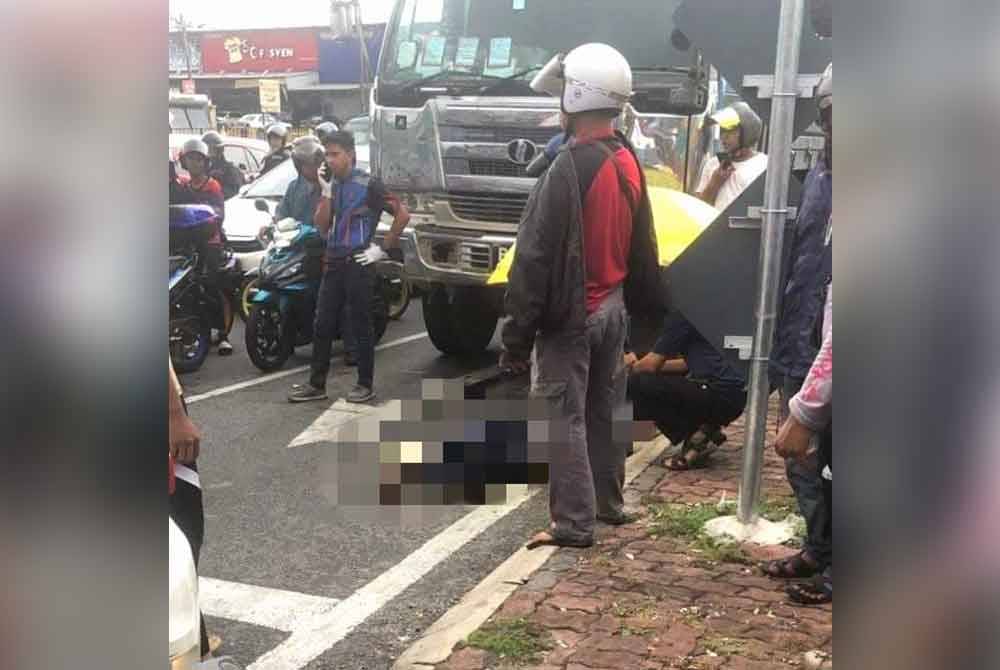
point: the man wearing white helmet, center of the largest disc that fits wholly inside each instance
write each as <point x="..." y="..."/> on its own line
<point x="727" y="175"/>
<point x="586" y="251"/>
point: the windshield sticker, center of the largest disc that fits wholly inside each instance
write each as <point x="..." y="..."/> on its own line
<point x="434" y="51"/>
<point x="499" y="52"/>
<point x="406" y="54"/>
<point x="468" y="49"/>
<point x="519" y="4"/>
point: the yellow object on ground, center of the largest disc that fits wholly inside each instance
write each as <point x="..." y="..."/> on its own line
<point x="679" y="219"/>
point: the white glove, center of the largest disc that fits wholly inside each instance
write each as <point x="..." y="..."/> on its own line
<point x="373" y="254"/>
<point x="326" y="186"/>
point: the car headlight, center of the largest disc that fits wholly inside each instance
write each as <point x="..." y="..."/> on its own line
<point x="184" y="619"/>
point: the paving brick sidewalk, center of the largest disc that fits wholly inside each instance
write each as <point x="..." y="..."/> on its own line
<point x="646" y="599"/>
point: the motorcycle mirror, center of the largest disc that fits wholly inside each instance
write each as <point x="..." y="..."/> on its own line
<point x="261" y="205"/>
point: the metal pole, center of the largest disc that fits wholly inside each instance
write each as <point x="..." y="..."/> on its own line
<point x="187" y="49"/>
<point x="364" y="65"/>
<point x="775" y="213"/>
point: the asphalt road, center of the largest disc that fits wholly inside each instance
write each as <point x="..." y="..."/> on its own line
<point x="294" y="576"/>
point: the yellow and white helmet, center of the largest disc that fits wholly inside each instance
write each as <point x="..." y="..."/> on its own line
<point x="591" y="77"/>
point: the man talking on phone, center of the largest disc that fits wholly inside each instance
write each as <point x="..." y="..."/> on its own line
<point x="726" y="175"/>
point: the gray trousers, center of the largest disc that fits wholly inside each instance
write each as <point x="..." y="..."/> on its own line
<point x="582" y="377"/>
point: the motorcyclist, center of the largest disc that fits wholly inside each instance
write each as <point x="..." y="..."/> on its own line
<point x="202" y="189"/>
<point x="725" y="176"/>
<point x="228" y="175"/>
<point x="324" y="130"/>
<point x="277" y="138"/>
<point x="300" y="202"/>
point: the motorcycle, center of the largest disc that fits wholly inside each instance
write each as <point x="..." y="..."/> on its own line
<point x="284" y="302"/>
<point x="193" y="299"/>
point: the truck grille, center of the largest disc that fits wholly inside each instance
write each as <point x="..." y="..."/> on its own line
<point x="475" y="257"/>
<point x="495" y="207"/>
<point x="540" y="136"/>
<point x="496" y="168"/>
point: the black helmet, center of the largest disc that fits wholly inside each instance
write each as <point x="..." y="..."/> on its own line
<point x="740" y="115"/>
<point x="324" y="130"/>
<point x="213" y="139"/>
<point x="193" y="146"/>
<point x="308" y="150"/>
<point x="278" y="130"/>
<point x="824" y="89"/>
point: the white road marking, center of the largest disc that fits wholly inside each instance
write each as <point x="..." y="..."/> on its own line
<point x="319" y="633"/>
<point x="329" y="425"/>
<point x="260" y="606"/>
<point x="286" y="373"/>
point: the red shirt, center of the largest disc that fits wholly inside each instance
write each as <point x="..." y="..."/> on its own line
<point x="607" y="227"/>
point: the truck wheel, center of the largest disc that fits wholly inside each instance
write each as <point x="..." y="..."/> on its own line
<point x="462" y="323"/>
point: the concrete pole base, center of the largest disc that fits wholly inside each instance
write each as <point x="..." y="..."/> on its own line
<point x="762" y="531"/>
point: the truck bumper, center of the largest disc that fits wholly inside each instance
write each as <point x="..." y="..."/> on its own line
<point x="436" y="254"/>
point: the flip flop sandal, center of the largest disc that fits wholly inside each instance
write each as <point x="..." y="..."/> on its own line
<point x="813" y="592"/>
<point x="793" y="567"/>
<point x="680" y="462"/>
<point x="545" y="538"/>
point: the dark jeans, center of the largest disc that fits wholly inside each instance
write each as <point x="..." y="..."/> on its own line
<point x="679" y="406"/>
<point x="345" y="283"/>
<point x="804" y="477"/>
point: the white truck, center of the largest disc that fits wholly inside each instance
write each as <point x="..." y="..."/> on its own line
<point x="454" y="124"/>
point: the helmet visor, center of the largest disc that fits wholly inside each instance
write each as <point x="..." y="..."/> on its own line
<point x="550" y="78"/>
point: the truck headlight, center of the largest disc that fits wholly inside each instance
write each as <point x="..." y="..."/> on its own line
<point x="185" y="619"/>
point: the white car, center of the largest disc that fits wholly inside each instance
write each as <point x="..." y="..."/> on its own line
<point x="246" y="154"/>
<point x="251" y="209"/>
<point x="256" y="121"/>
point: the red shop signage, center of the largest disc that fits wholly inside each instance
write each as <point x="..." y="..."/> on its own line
<point x="260" y="50"/>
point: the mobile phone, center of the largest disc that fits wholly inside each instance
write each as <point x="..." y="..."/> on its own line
<point x="325" y="172"/>
<point x="724" y="157"/>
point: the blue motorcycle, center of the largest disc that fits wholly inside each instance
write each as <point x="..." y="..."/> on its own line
<point x="283" y="306"/>
<point x="194" y="301"/>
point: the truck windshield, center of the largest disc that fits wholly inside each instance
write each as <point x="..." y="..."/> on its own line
<point x="467" y="43"/>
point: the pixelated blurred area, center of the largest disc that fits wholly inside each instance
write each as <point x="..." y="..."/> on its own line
<point x="81" y="272"/>
<point x="917" y="294"/>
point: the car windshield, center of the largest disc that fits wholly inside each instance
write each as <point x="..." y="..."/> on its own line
<point x="274" y="183"/>
<point x="477" y="40"/>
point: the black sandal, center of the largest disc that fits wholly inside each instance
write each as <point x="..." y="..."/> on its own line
<point x="817" y="591"/>
<point x="684" y="460"/>
<point x="793" y="567"/>
<point x="547" y="538"/>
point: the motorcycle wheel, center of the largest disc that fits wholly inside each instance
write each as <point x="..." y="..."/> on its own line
<point x="397" y="292"/>
<point x="190" y="340"/>
<point x="244" y="297"/>
<point x="267" y="348"/>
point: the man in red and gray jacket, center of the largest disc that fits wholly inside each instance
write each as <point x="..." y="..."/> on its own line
<point x="586" y="253"/>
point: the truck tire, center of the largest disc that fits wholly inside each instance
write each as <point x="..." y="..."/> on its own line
<point x="460" y="322"/>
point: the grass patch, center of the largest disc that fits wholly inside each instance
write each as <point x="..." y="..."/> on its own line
<point x="686" y="523"/>
<point x="777" y="509"/>
<point x="722" y="552"/>
<point x="514" y="640"/>
<point x="723" y="646"/>
<point x="635" y="609"/>
<point x="680" y="521"/>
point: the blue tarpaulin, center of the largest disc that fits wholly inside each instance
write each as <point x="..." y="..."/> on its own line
<point x="340" y="58"/>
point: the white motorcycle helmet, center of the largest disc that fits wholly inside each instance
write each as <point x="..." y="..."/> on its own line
<point x="591" y="77"/>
